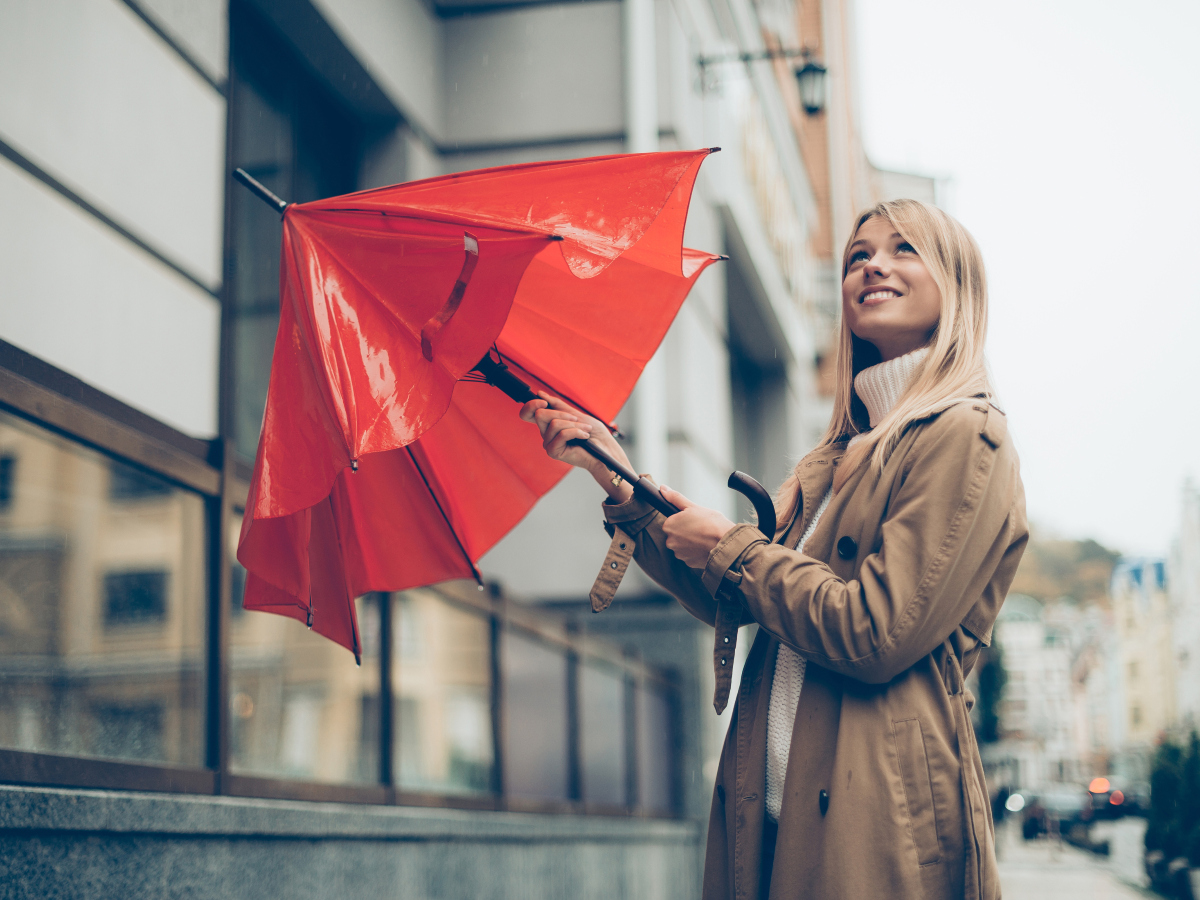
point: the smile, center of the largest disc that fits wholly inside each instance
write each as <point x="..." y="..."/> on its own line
<point x="878" y="295"/>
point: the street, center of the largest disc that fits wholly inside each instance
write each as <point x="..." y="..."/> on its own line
<point x="1031" y="870"/>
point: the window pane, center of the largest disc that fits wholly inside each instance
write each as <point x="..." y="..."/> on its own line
<point x="602" y="734"/>
<point x="298" y="705"/>
<point x="294" y="138"/>
<point x="535" y="724"/>
<point x="656" y="756"/>
<point x="102" y="604"/>
<point x="442" y="687"/>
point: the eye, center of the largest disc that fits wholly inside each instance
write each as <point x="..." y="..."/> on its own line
<point x="905" y="247"/>
<point x="859" y="256"/>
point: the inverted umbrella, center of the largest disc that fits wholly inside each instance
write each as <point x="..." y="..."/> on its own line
<point x="385" y="461"/>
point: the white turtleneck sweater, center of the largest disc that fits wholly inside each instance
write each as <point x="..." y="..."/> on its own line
<point x="880" y="389"/>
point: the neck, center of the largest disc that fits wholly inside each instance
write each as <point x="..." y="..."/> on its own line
<point x="881" y="386"/>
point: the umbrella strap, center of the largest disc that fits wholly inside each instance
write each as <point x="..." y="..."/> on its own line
<point x="450" y="307"/>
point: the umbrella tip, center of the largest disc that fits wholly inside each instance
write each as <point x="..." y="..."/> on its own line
<point x="555" y="237"/>
<point x="714" y="149"/>
<point x="354" y="465"/>
<point x="722" y="258"/>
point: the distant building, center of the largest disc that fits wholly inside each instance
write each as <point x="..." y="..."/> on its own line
<point x="1183" y="570"/>
<point x="1037" y="745"/>
<point x="1145" y="663"/>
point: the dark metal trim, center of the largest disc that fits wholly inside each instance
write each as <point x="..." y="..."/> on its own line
<point x="196" y="66"/>
<point x="21" y="161"/>
<point x="387" y="721"/>
<point x="52" y="770"/>
<point x="496" y="690"/>
<point x="84" y="424"/>
<point x="574" y="746"/>
<point x="291" y="789"/>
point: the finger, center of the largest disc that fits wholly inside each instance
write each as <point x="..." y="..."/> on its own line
<point x="557" y="402"/>
<point x="557" y="426"/>
<point x="545" y="416"/>
<point x="675" y="498"/>
<point x="557" y="445"/>
<point x="529" y="410"/>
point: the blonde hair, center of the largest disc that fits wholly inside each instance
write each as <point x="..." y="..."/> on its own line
<point x="954" y="368"/>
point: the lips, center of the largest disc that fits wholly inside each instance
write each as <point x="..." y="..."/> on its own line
<point x="878" y="296"/>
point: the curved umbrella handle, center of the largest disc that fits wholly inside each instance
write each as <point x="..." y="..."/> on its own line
<point x="757" y="495"/>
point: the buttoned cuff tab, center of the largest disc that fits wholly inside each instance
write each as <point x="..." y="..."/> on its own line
<point x="631" y="516"/>
<point x="727" y="552"/>
<point x="729" y="618"/>
<point x="620" y="551"/>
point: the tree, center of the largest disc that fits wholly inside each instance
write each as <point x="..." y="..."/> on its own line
<point x="992" y="678"/>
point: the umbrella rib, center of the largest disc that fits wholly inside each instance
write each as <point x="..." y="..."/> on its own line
<point x="565" y="396"/>
<point x="445" y="518"/>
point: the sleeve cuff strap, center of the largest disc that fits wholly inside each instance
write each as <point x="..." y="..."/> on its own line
<point x="727" y="552"/>
<point x="633" y="515"/>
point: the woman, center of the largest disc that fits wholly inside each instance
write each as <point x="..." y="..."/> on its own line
<point x="850" y="769"/>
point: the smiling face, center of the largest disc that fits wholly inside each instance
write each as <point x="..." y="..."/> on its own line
<point x="888" y="296"/>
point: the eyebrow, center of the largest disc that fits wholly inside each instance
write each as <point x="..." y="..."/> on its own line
<point x="895" y="234"/>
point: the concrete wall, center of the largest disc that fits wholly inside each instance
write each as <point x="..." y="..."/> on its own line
<point x="57" y="843"/>
<point x="99" y="102"/>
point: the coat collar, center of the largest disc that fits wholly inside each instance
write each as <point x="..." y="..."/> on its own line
<point x="815" y="474"/>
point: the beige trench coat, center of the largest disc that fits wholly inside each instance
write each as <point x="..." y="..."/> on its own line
<point x="906" y="574"/>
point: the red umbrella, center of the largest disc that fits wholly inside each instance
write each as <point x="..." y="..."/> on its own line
<point x="384" y="461"/>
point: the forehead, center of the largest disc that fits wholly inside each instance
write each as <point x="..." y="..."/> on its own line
<point x="876" y="230"/>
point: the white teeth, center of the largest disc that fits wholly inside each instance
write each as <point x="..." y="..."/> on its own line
<point x="879" y="295"/>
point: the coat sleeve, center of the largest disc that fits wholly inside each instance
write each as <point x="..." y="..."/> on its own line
<point x="644" y="524"/>
<point x="956" y="518"/>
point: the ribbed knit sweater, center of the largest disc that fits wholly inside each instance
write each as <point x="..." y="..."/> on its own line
<point x="880" y="388"/>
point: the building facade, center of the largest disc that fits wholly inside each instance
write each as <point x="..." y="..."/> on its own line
<point x="153" y="734"/>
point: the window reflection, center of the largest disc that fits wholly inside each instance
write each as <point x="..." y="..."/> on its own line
<point x="655" y="750"/>
<point x="102" y="604"/>
<point x="602" y="733"/>
<point x="535" y="725"/>
<point x="299" y="707"/>
<point x="442" y="686"/>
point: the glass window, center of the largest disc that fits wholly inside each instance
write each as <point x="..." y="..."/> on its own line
<point x="655" y="750"/>
<point x="442" y="691"/>
<point x="602" y="733"/>
<point x="535" y="723"/>
<point x="299" y="707"/>
<point x="102" y="605"/>
<point x="294" y="138"/>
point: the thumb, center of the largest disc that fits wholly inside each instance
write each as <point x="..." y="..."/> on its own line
<point x="675" y="498"/>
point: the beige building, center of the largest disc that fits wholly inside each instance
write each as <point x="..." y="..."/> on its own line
<point x="1146" y="662"/>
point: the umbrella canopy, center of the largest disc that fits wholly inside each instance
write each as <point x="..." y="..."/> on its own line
<point x="383" y="463"/>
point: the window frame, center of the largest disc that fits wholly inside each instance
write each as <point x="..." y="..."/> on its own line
<point x="35" y="391"/>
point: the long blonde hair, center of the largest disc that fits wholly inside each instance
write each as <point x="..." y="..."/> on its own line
<point x="954" y="368"/>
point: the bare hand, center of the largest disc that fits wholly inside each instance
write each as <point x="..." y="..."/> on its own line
<point x="559" y="423"/>
<point x="694" y="531"/>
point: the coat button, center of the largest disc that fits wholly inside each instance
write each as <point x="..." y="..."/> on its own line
<point x="846" y="547"/>
<point x="823" y="802"/>
<point x="612" y="565"/>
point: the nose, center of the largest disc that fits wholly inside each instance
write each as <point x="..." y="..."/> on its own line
<point x="877" y="265"/>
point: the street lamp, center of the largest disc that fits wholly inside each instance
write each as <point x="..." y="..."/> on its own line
<point x="810" y="76"/>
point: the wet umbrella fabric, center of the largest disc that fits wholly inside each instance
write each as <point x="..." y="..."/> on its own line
<point x="382" y="464"/>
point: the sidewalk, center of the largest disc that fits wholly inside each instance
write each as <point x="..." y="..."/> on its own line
<point x="1033" y="870"/>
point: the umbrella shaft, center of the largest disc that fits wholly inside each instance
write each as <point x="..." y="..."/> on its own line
<point x="499" y="375"/>
<point x="643" y="487"/>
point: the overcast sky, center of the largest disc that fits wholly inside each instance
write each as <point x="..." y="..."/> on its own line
<point x="1069" y="134"/>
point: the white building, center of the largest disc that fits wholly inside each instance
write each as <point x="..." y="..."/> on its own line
<point x="1183" y="579"/>
<point x="1037" y="716"/>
